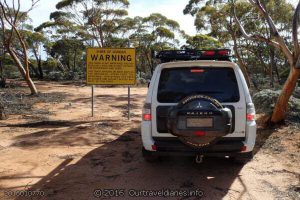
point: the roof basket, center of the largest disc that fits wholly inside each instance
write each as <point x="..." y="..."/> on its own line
<point x="194" y="54"/>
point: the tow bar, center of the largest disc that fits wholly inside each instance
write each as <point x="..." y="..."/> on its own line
<point x="199" y="159"/>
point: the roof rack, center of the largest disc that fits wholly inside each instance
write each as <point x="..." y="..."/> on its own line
<point x="194" y="54"/>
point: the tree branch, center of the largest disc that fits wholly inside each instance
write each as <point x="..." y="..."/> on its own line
<point x="3" y="27"/>
<point x="8" y="21"/>
<point x="279" y="43"/>
<point x="295" y="30"/>
<point x="33" y="4"/>
<point x="14" y="29"/>
<point x="7" y="7"/>
<point x="264" y="12"/>
<point x="253" y="37"/>
<point x="274" y="31"/>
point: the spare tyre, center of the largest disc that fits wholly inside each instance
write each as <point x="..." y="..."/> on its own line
<point x="199" y="120"/>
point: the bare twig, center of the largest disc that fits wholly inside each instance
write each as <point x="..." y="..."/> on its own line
<point x="33" y="4"/>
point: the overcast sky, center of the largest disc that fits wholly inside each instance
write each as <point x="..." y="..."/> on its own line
<point x="170" y="8"/>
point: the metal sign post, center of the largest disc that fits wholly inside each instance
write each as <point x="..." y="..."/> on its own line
<point x="128" y="102"/>
<point x="128" y="91"/>
<point x="93" y="100"/>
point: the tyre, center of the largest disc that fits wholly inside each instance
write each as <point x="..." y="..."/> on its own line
<point x="149" y="156"/>
<point x="199" y="121"/>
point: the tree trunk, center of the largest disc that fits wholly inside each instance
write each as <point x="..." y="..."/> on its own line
<point x="240" y="60"/>
<point x="2" y="79"/>
<point x="2" y="82"/>
<point x="26" y="76"/>
<point x="59" y="65"/>
<point x="34" y="70"/>
<point x="148" y="61"/>
<point x="272" y="66"/>
<point x="1" y="65"/>
<point x="242" y="66"/>
<point x="3" y="116"/>
<point x="39" y="64"/>
<point x="40" y="69"/>
<point x="74" y="60"/>
<point x="281" y="106"/>
<point x="261" y="60"/>
<point x="277" y="74"/>
<point x="68" y="63"/>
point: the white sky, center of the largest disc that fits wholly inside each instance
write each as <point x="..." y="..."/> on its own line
<point x="170" y="8"/>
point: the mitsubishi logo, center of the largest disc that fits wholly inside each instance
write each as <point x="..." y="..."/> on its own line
<point x="199" y="105"/>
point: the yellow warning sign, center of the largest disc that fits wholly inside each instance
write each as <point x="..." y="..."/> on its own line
<point x="109" y="66"/>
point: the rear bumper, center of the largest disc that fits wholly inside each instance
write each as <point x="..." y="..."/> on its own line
<point x="172" y="146"/>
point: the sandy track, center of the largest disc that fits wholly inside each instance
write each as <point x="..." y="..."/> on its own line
<point x="70" y="154"/>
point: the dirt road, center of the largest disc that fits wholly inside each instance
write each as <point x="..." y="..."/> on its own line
<point x="66" y="154"/>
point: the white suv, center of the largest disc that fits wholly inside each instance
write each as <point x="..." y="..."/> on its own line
<point x="198" y="107"/>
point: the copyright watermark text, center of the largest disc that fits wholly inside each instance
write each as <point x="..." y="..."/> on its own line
<point x="167" y="193"/>
<point x="24" y="193"/>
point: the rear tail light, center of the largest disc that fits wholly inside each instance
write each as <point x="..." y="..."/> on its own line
<point x="147" y="117"/>
<point x="244" y="148"/>
<point x="223" y="52"/>
<point x="250" y="116"/>
<point x="147" y="112"/>
<point x="209" y="53"/>
<point x="154" y="147"/>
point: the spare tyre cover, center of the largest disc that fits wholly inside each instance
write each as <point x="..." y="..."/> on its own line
<point x="199" y="120"/>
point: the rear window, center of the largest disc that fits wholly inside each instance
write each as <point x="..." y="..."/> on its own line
<point x="177" y="83"/>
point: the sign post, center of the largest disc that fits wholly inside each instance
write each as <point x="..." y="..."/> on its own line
<point x="111" y="66"/>
<point x="93" y="100"/>
<point x="128" y="102"/>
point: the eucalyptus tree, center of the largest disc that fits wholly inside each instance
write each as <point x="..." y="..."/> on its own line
<point x="89" y="22"/>
<point x="154" y="33"/>
<point x="69" y="51"/>
<point x="11" y="19"/>
<point x="263" y="28"/>
<point x="201" y="41"/>
<point x="35" y="42"/>
<point x="97" y="20"/>
<point x="214" y="17"/>
<point x="217" y="18"/>
<point x="2" y="54"/>
<point x="291" y="52"/>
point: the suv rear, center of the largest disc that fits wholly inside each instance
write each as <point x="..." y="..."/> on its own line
<point x="218" y="118"/>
